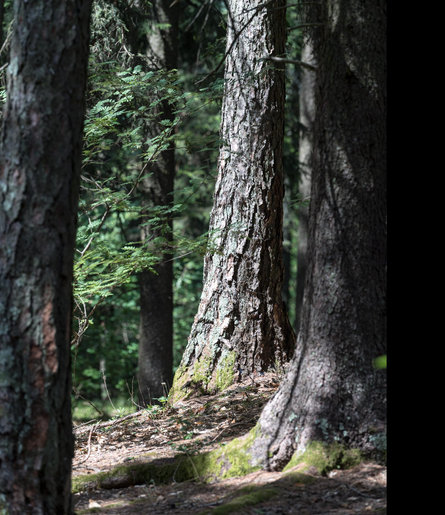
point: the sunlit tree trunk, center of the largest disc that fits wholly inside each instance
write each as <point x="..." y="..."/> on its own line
<point x="241" y="326"/>
<point x="332" y="392"/>
<point x="40" y="158"/>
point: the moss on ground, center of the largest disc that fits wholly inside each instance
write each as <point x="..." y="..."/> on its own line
<point x="229" y="460"/>
<point x="159" y="471"/>
<point x="249" y="496"/>
<point x="325" y="457"/>
<point x="235" y="458"/>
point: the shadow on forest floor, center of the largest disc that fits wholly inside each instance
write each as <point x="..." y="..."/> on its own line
<point x="200" y="425"/>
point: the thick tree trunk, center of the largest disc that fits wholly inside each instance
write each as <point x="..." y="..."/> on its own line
<point x="40" y="157"/>
<point x="155" y="363"/>
<point x="241" y="326"/>
<point x="307" y="111"/>
<point x="332" y="392"/>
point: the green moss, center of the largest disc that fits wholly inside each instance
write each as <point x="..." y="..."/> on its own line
<point x="202" y="378"/>
<point x="225" y="371"/>
<point x="188" y="381"/>
<point x="202" y="371"/>
<point x="253" y="495"/>
<point x="235" y="457"/>
<point x="178" y="391"/>
<point x="159" y="471"/>
<point x="183" y="467"/>
<point x="205" y="466"/>
<point x="325" y="457"/>
<point x="230" y="460"/>
<point x="119" y="506"/>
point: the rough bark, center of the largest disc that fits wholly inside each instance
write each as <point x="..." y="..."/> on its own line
<point x="40" y="157"/>
<point x="332" y="392"/>
<point x="307" y="111"/>
<point x="241" y="326"/>
<point x="2" y="12"/>
<point x="155" y="362"/>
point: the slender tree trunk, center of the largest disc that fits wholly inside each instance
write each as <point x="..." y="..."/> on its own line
<point x="241" y="326"/>
<point x="307" y="111"/>
<point x="40" y="158"/>
<point x="332" y="393"/>
<point x="2" y="14"/>
<point x="3" y="35"/>
<point x="155" y="363"/>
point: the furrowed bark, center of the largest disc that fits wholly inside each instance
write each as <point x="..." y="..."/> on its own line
<point x="40" y="159"/>
<point x="332" y="392"/>
<point x="241" y="326"/>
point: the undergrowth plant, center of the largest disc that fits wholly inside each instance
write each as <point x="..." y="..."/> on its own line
<point x="109" y="252"/>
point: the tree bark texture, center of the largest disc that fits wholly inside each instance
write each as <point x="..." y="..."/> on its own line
<point x="155" y="361"/>
<point x="332" y="392"/>
<point x="2" y="13"/>
<point x="307" y="111"/>
<point x="241" y="326"/>
<point x="40" y="159"/>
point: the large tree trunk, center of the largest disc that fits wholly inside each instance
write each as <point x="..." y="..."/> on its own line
<point x="332" y="393"/>
<point x="307" y="111"/>
<point x="40" y="158"/>
<point x="155" y="363"/>
<point x="241" y="326"/>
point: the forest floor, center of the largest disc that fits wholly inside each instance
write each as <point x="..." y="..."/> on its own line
<point x="199" y="425"/>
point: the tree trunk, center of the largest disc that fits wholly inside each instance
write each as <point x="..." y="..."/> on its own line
<point x="155" y="362"/>
<point x="241" y="326"/>
<point x="2" y="13"/>
<point x="40" y="158"/>
<point x="332" y="393"/>
<point x="307" y="111"/>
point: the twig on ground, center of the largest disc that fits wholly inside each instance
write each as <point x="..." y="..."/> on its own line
<point x="117" y="420"/>
<point x="89" y="445"/>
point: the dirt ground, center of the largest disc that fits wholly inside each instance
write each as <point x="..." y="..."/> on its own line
<point x="201" y="424"/>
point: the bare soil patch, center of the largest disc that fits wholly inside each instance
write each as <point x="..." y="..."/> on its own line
<point x="199" y="425"/>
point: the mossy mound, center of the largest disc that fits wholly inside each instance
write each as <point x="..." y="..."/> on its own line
<point x="325" y="457"/>
<point x="234" y="459"/>
<point x="246" y="497"/>
<point x="159" y="471"/>
<point x="229" y="460"/>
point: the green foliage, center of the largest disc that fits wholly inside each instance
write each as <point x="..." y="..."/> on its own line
<point x="107" y="261"/>
<point x="124" y="98"/>
<point x="379" y="363"/>
<point x="85" y="411"/>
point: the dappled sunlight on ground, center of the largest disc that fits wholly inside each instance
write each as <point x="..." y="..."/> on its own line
<point x="199" y="425"/>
